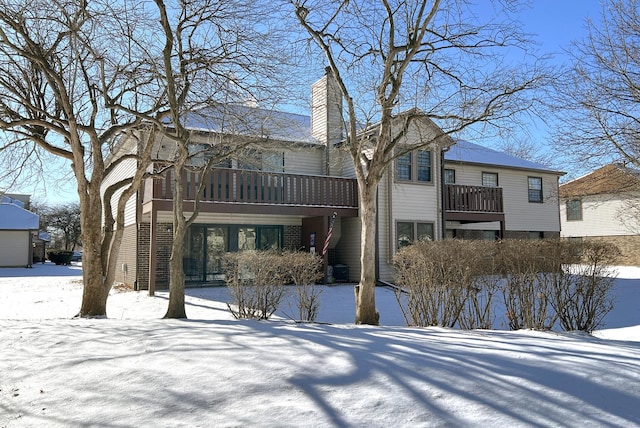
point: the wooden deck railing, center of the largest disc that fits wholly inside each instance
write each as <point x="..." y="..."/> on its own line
<point x="257" y="187"/>
<point x="473" y="198"/>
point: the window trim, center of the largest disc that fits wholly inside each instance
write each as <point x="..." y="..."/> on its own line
<point x="529" y="190"/>
<point x="414" y="167"/>
<point x="579" y="216"/>
<point x="414" y="224"/>
<point x="453" y="172"/>
<point x="492" y="174"/>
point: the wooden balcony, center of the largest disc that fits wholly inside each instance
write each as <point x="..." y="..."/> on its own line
<point x="234" y="187"/>
<point x="473" y="199"/>
<point x="473" y="204"/>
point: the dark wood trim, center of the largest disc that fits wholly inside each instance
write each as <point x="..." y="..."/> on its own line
<point x="260" y="192"/>
<point x="255" y="209"/>
<point x="152" y="249"/>
<point x="473" y="217"/>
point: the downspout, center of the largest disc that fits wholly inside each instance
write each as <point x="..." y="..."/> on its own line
<point x="443" y="213"/>
<point x="377" y="260"/>
<point x="390" y="232"/>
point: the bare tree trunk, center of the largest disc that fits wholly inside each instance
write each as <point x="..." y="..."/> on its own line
<point x="96" y="290"/>
<point x="176" y="307"/>
<point x="366" y="291"/>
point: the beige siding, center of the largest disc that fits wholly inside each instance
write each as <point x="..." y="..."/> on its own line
<point x="348" y="248"/>
<point x="304" y="160"/>
<point x="224" y="218"/>
<point x="602" y="215"/>
<point x="14" y="248"/>
<point x="126" y="269"/>
<point x="347" y="169"/>
<point x="125" y="170"/>
<point x="326" y="110"/>
<point x="385" y="253"/>
<point x="520" y="214"/>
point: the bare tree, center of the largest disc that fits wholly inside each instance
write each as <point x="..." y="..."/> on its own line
<point x="432" y="54"/>
<point x="598" y="99"/>
<point x="525" y="148"/>
<point x="215" y="52"/>
<point x="64" y="220"/>
<point x="71" y="85"/>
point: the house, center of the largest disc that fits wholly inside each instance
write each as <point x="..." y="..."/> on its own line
<point x="17" y="229"/>
<point x="299" y="176"/>
<point x="604" y="205"/>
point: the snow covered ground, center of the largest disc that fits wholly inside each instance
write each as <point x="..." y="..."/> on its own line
<point x="135" y="369"/>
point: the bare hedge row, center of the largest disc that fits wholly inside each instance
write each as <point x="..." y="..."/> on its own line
<point x="540" y="283"/>
<point x="257" y="282"/>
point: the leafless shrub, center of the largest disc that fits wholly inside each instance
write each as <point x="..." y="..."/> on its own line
<point x="304" y="269"/>
<point x="439" y="280"/>
<point x="582" y="292"/>
<point x="527" y="291"/>
<point x="256" y="282"/>
<point x="542" y="282"/>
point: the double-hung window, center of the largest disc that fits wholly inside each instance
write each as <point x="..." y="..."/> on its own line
<point x="574" y="210"/>
<point x="535" y="189"/>
<point x="490" y="179"/>
<point x="414" y="166"/>
<point x="449" y="176"/>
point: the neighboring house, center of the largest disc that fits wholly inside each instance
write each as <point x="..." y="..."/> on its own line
<point x="17" y="229"/>
<point x="604" y="205"/>
<point x="299" y="176"/>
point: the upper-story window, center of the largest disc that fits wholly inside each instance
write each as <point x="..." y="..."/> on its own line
<point x="449" y="176"/>
<point x="535" y="189"/>
<point x="414" y="166"/>
<point x="490" y="179"/>
<point x="574" y="210"/>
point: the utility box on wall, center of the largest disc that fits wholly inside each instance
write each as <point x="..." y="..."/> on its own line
<point x="341" y="273"/>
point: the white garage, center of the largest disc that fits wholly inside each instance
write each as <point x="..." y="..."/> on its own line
<point x="16" y="227"/>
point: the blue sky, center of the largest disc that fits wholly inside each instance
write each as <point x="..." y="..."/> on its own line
<point x="553" y="23"/>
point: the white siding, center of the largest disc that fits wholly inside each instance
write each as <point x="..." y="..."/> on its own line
<point x="602" y="215"/>
<point x="520" y="214"/>
<point x="14" y="248"/>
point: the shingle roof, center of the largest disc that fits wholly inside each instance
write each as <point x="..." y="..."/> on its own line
<point x="251" y="121"/>
<point x="12" y="217"/>
<point x="610" y="179"/>
<point x="464" y="151"/>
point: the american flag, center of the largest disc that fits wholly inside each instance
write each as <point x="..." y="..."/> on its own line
<point x="329" y="234"/>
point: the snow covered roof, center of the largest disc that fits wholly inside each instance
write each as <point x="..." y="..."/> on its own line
<point x="251" y="121"/>
<point x="12" y="217"/>
<point x="464" y="151"/>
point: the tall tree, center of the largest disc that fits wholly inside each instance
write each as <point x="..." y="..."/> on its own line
<point x="213" y="53"/>
<point x="65" y="221"/>
<point x="598" y="100"/>
<point x="71" y="84"/>
<point x="438" y="55"/>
